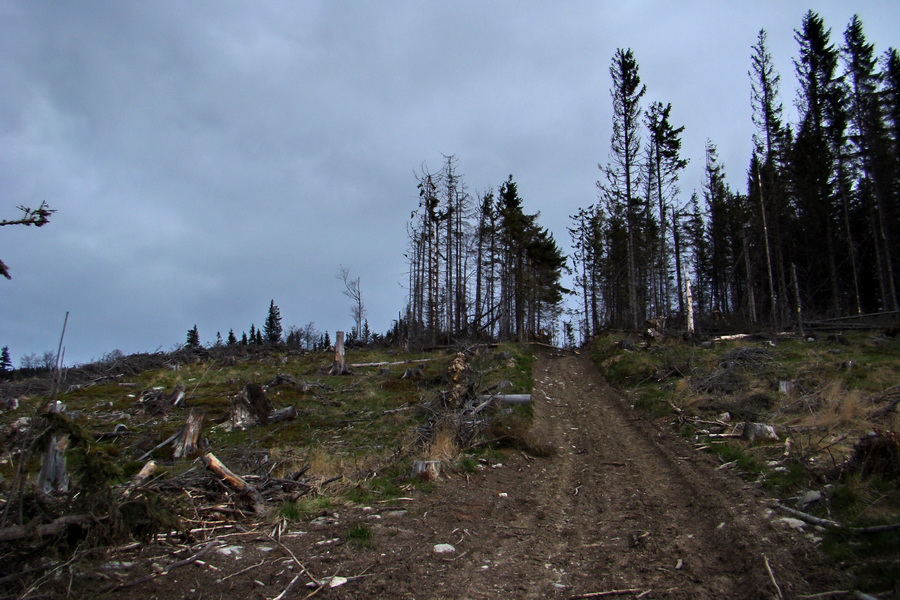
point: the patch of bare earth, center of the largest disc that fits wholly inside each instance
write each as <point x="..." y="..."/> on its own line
<point x="621" y="505"/>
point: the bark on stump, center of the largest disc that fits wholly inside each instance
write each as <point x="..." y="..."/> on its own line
<point x="188" y="440"/>
<point x="339" y="366"/>
<point x="54" y="475"/>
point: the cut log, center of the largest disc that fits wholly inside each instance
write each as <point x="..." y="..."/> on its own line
<point x="188" y="439"/>
<point x="140" y="478"/>
<point x="235" y="482"/>
<point x="339" y="366"/>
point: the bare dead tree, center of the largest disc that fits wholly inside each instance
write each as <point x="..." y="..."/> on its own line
<point x="38" y="217"/>
<point x="353" y="291"/>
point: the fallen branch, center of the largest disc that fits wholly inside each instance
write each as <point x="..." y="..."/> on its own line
<point x="392" y="364"/>
<point x="772" y="576"/>
<point x="54" y="527"/>
<point x="606" y="594"/>
<point x="829" y="524"/>
<point x="234" y="481"/>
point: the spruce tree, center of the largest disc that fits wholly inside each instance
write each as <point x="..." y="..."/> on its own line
<point x="193" y="338"/>
<point x="5" y="360"/>
<point x="666" y="164"/>
<point x="813" y="165"/>
<point x="870" y="143"/>
<point x="623" y="172"/>
<point x="252" y="333"/>
<point x="272" y="327"/>
<point x="232" y="340"/>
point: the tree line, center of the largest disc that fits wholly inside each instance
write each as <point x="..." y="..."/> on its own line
<point x="480" y="266"/>
<point x="814" y="232"/>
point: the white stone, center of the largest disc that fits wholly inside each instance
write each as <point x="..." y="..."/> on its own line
<point x="444" y="548"/>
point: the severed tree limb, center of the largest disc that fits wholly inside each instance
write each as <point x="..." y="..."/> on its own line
<point x="140" y="478"/>
<point x="606" y="594"/>
<point x="19" y="532"/>
<point x="235" y="482"/>
<point x="829" y="524"/>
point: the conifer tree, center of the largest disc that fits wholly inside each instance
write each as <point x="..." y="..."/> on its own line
<point x="666" y="164"/>
<point x="5" y="360"/>
<point x="272" y="327"/>
<point x="623" y="171"/>
<point x="193" y="338"/>
<point x="232" y="340"/>
<point x="814" y="163"/>
<point x="870" y="143"/>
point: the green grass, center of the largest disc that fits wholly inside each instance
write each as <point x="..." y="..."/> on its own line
<point x="359" y="535"/>
<point x="839" y="399"/>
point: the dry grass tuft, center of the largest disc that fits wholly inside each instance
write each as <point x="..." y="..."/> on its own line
<point x="443" y="446"/>
<point x="840" y="407"/>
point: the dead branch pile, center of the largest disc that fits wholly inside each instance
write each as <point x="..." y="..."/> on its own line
<point x="876" y="454"/>
<point x="746" y="357"/>
<point x="458" y="411"/>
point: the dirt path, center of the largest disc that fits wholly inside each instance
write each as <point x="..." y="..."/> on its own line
<point x="620" y="505"/>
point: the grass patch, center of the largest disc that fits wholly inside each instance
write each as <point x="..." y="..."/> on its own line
<point x="359" y="535"/>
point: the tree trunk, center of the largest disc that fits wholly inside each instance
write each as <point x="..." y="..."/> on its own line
<point x="339" y="366"/>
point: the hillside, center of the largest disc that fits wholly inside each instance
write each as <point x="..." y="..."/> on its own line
<point x="586" y="490"/>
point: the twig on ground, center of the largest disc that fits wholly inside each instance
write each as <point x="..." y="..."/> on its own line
<point x="606" y="594"/>
<point x="772" y="576"/>
<point x="288" y="589"/>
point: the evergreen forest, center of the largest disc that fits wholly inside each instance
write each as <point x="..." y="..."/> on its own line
<point x="812" y="235"/>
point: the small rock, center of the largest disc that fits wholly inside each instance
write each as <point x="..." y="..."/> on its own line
<point x="790" y="523"/>
<point x="810" y="497"/>
<point x="234" y="551"/>
<point x="443" y="549"/>
<point x="504" y="495"/>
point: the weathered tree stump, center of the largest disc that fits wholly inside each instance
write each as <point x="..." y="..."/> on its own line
<point x="339" y="366"/>
<point x="413" y="373"/>
<point x="54" y="475"/>
<point x="250" y="407"/>
<point x="188" y="440"/>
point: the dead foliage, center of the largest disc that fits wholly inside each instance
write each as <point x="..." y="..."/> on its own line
<point x="877" y="454"/>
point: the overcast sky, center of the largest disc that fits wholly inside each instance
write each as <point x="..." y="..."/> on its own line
<point x="206" y="157"/>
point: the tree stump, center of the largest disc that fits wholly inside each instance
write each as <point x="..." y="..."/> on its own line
<point x="339" y="366"/>
<point x="250" y="407"/>
<point x="54" y="475"/>
<point x="188" y="440"/>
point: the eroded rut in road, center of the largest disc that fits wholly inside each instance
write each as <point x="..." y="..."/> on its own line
<point x="620" y="505"/>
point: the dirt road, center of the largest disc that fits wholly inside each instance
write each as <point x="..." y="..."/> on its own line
<point x="620" y="505"/>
